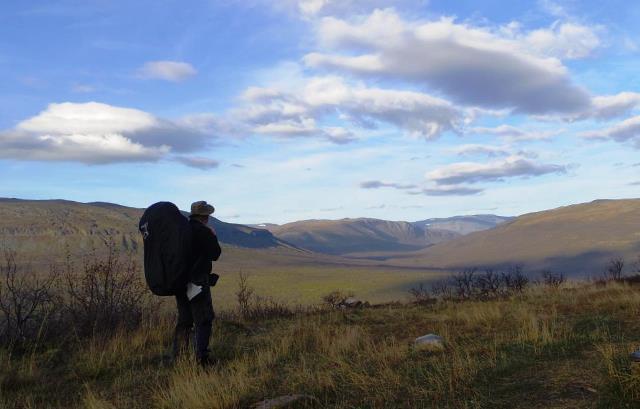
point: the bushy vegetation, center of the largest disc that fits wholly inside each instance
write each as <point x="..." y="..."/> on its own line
<point x="509" y="343"/>
<point x="107" y="294"/>
<point x="473" y="284"/>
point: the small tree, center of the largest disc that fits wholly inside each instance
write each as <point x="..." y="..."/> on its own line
<point x="614" y="269"/>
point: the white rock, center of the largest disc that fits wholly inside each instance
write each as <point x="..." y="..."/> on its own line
<point x="352" y="302"/>
<point x="429" y="341"/>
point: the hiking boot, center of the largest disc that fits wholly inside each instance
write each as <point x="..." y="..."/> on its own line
<point x="207" y="362"/>
<point x="635" y="356"/>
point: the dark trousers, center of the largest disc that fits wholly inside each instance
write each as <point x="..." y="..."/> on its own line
<point x="198" y="311"/>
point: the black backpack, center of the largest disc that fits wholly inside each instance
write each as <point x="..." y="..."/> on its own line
<point x="167" y="248"/>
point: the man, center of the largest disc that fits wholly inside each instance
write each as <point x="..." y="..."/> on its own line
<point x="199" y="309"/>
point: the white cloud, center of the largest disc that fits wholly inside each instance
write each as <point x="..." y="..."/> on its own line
<point x="625" y="131"/>
<point x="175" y="71"/>
<point x="470" y="172"/>
<point x="451" y="190"/>
<point x="606" y="107"/>
<point x="97" y="133"/>
<point x="85" y="148"/>
<point x="296" y="112"/>
<point x="477" y="149"/>
<point x="474" y="66"/>
<point x="564" y="40"/>
<point x="514" y="134"/>
<point x="377" y="184"/>
<point x="309" y="9"/>
<point x="198" y="162"/>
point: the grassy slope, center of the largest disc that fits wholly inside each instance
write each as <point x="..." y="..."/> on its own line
<point x="573" y="238"/>
<point x="534" y="351"/>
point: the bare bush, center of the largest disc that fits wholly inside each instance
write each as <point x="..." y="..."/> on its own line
<point x="26" y="300"/>
<point x="464" y="284"/>
<point x="244" y="294"/>
<point x="335" y="298"/>
<point x="488" y="285"/>
<point x="552" y="279"/>
<point x="443" y="290"/>
<point x="263" y="308"/>
<point x="515" y="280"/>
<point x="253" y="307"/>
<point x="614" y="269"/>
<point x="106" y="294"/>
<point x="422" y="295"/>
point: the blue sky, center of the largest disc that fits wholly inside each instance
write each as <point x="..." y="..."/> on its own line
<point x="296" y="109"/>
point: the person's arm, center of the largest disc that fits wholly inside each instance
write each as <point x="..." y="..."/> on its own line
<point x="211" y="246"/>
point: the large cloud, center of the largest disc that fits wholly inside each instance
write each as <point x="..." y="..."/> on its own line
<point x="474" y="66"/>
<point x="97" y="133"/>
<point x="470" y="172"/>
<point x="296" y="112"/>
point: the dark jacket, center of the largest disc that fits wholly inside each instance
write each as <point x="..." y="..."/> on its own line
<point x="205" y="249"/>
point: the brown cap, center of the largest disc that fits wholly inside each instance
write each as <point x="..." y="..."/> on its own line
<point x="202" y="208"/>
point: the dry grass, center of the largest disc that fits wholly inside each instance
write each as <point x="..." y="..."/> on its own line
<point x="537" y="350"/>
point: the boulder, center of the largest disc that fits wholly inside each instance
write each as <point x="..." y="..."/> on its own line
<point x="283" y="401"/>
<point x="351" y="302"/>
<point x="429" y="341"/>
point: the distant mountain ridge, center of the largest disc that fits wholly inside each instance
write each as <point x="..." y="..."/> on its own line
<point x="464" y="224"/>
<point x="577" y="240"/>
<point x="355" y="235"/>
<point x="43" y="228"/>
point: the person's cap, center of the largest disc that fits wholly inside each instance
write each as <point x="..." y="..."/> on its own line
<point x="202" y="208"/>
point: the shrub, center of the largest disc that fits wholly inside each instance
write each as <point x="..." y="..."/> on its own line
<point x="244" y="294"/>
<point x="26" y="300"/>
<point x="464" y="284"/>
<point x="515" y="280"/>
<point x="421" y="295"/>
<point x="335" y="298"/>
<point x="551" y="279"/>
<point x="614" y="269"/>
<point x="106" y="294"/>
<point x="253" y="307"/>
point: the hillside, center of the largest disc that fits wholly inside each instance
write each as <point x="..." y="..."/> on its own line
<point x="547" y="348"/>
<point x="340" y="237"/>
<point x="463" y="224"/>
<point x="42" y="229"/>
<point x="576" y="239"/>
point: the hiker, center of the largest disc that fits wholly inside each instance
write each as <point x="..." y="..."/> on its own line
<point x="194" y="304"/>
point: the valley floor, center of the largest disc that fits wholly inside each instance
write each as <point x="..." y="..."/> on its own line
<point x="547" y="348"/>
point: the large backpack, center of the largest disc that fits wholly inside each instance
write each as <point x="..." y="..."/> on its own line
<point x="167" y="248"/>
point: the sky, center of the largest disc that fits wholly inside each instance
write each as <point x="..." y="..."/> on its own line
<point x="284" y="110"/>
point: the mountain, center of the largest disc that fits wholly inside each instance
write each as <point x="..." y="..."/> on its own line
<point x="340" y="237"/>
<point x="578" y="240"/>
<point x="42" y="228"/>
<point x="463" y="224"/>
